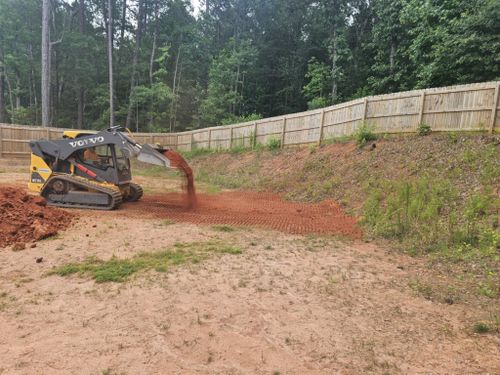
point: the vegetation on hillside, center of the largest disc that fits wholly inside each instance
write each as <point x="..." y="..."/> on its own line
<point x="236" y="59"/>
<point x="436" y="196"/>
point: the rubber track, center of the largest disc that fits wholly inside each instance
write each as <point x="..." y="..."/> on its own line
<point x="116" y="196"/>
<point x="139" y="190"/>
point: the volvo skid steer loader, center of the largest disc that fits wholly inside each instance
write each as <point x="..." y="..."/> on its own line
<point x="91" y="170"/>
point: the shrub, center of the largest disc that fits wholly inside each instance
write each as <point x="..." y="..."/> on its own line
<point x="273" y="144"/>
<point x="423" y="129"/>
<point x="364" y="133"/>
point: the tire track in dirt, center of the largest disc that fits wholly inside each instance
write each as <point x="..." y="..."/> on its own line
<point x="245" y="208"/>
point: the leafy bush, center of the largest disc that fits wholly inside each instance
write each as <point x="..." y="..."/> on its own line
<point x="423" y="129"/>
<point x="239" y="119"/>
<point x="273" y="144"/>
<point x="364" y="133"/>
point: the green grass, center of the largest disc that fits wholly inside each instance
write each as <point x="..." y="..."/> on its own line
<point x="119" y="270"/>
<point x="481" y="327"/>
<point x="223" y="228"/>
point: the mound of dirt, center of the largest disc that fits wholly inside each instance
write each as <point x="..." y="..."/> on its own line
<point x="247" y="208"/>
<point x="26" y="218"/>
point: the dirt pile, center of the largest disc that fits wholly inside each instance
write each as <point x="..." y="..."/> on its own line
<point x="265" y="210"/>
<point x="178" y="162"/>
<point x="25" y="218"/>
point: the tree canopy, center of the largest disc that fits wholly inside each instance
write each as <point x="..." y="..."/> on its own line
<point x="236" y="59"/>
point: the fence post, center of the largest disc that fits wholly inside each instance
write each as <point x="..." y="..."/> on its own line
<point x="1" y="141"/>
<point x="192" y="141"/>
<point x="421" y="110"/>
<point x="209" y="138"/>
<point x="494" y="109"/>
<point x="254" y="134"/>
<point x="48" y="133"/>
<point x="151" y="137"/>
<point x="283" y="132"/>
<point x="231" y="140"/>
<point x="365" y="108"/>
<point x="321" y="125"/>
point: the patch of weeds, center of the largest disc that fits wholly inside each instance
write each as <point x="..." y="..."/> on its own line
<point x="481" y="327"/>
<point x="423" y="129"/>
<point x="364" y="133"/>
<point x="273" y="144"/>
<point x="223" y="228"/>
<point x="118" y="270"/>
<point x="421" y="288"/>
<point x="195" y="152"/>
<point x="167" y="222"/>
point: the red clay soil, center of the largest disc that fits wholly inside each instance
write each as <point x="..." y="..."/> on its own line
<point x="266" y="210"/>
<point x="177" y="161"/>
<point x="25" y="218"/>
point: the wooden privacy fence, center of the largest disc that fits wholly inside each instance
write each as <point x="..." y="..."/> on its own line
<point x="473" y="107"/>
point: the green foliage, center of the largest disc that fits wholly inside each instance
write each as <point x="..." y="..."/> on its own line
<point x="429" y="216"/>
<point x="240" y="119"/>
<point x="481" y="327"/>
<point x="364" y="133"/>
<point x="119" y="270"/>
<point x="240" y="58"/>
<point x="423" y="129"/>
<point x="319" y="78"/>
<point x="273" y="144"/>
<point x="225" y="94"/>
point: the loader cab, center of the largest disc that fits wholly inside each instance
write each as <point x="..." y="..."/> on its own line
<point x="106" y="161"/>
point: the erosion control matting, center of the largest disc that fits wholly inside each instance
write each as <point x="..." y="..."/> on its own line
<point x="264" y="210"/>
<point x="25" y="218"/>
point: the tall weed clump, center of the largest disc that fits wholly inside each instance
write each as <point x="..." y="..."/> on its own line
<point x="426" y="215"/>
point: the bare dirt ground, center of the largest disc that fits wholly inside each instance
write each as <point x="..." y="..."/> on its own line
<point x="289" y="304"/>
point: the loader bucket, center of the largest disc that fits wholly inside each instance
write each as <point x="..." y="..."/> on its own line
<point x="149" y="155"/>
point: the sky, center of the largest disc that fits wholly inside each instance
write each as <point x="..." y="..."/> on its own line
<point x="196" y="6"/>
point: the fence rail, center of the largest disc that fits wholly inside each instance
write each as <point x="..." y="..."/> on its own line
<point x="473" y="107"/>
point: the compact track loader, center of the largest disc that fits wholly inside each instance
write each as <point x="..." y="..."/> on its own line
<point x="91" y="170"/>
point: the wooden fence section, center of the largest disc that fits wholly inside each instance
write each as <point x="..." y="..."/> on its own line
<point x="473" y="107"/>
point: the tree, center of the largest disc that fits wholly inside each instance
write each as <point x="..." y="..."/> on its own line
<point x="45" y="63"/>
<point x="110" y="64"/>
<point x="316" y="90"/>
<point x="225" y="96"/>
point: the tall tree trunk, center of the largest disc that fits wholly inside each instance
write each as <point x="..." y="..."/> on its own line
<point x="45" y="63"/>
<point x="81" y="92"/>
<point x="334" y="66"/>
<point x="11" y="101"/>
<point x="207" y="6"/>
<point x="138" y="36"/>
<point x="174" y="85"/>
<point x="123" y="20"/>
<point x="33" y="82"/>
<point x="110" y="64"/>
<point x="2" y="82"/>
<point x="176" y="106"/>
<point x="152" y="60"/>
<point x="391" y="57"/>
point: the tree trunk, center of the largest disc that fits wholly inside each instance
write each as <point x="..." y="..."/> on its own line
<point x="334" y="66"/>
<point x="174" y="85"/>
<point x="152" y="60"/>
<point x="122" y="24"/>
<point x="138" y="36"/>
<point x="110" y="64"/>
<point x="81" y="93"/>
<point x="45" y="63"/>
<point x="391" y="57"/>
<point x="2" y="97"/>
<point x="11" y="101"/>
